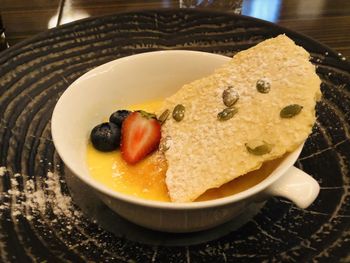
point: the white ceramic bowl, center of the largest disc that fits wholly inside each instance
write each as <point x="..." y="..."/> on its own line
<point x="146" y="77"/>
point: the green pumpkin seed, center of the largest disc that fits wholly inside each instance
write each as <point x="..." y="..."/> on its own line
<point x="179" y="112"/>
<point x="263" y="86"/>
<point x="227" y="114"/>
<point x="230" y="96"/>
<point x="164" y="116"/>
<point x="290" y="111"/>
<point x="164" y="144"/>
<point x="258" y="147"/>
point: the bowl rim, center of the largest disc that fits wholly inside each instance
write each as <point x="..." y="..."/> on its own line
<point x="87" y="179"/>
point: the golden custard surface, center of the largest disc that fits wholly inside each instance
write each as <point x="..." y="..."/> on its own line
<point x="146" y="179"/>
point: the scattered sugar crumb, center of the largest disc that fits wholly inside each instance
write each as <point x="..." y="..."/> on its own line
<point x="35" y="200"/>
<point x="14" y="192"/>
<point x="14" y="182"/>
<point x="16" y="213"/>
<point x="3" y="207"/>
<point x="2" y="170"/>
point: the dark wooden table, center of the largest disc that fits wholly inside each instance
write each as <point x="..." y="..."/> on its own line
<point x="327" y="21"/>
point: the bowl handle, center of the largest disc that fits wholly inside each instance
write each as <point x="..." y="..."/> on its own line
<point x="297" y="186"/>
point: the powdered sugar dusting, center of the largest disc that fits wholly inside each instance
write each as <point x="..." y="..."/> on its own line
<point x="31" y="199"/>
<point x="2" y="170"/>
<point x="62" y="203"/>
<point x="218" y="147"/>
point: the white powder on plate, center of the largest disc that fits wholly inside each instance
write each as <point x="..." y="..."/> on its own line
<point x="35" y="199"/>
<point x="2" y="170"/>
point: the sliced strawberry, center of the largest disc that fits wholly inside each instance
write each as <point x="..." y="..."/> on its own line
<point x="140" y="136"/>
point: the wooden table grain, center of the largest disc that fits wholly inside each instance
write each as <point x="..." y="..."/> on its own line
<point x="327" y="21"/>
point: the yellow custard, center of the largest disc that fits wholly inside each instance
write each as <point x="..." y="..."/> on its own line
<point x="146" y="179"/>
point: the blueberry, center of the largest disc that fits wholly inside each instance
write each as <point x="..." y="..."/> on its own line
<point x="105" y="137"/>
<point x="119" y="116"/>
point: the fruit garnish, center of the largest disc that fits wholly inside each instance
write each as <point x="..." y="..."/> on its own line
<point x="140" y="136"/>
<point x="257" y="147"/>
<point x="179" y="112"/>
<point x="119" y="116"/>
<point x="230" y="96"/>
<point x="263" y="85"/>
<point x="290" y="111"/>
<point x="227" y="113"/>
<point x="105" y="136"/>
<point x="164" y="116"/>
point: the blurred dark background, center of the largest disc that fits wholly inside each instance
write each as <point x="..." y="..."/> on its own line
<point x="327" y="21"/>
<point x="3" y="42"/>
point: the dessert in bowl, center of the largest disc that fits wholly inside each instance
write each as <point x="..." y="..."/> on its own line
<point x="156" y="76"/>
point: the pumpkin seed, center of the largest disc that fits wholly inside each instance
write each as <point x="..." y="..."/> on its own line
<point x="263" y="86"/>
<point x="258" y="147"/>
<point x="164" y="116"/>
<point x="230" y="96"/>
<point x="179" y="112"/>
<point x="164" y="144"/>
<point x="227" y="114"/>
<point x="290" y="111"/>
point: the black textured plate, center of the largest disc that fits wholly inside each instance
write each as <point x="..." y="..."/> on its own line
<point x="38" y="219"/>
